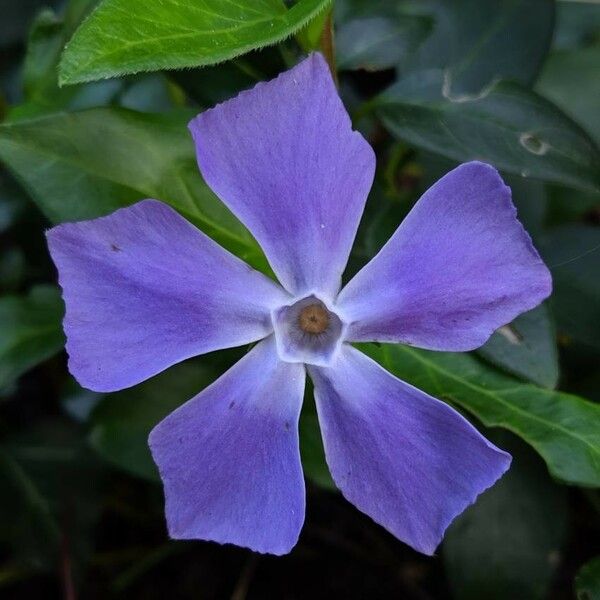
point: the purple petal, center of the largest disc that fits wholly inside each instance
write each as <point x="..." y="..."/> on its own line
<point x="457" y="268"/>
<point x="229" y="458"/>
<point x="144" y="289"/>
<point x="407" y="460"/>
<point x="285" y="160"/>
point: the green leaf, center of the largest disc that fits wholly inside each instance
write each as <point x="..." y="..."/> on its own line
<point x="85" y="164"/>
<point x="214" y="84"/>
<point x="577" y="25"/>
<point x="378" y="43"/>
<point x="587" y="582"/>
<point x="478" y="42"/>
<point x="47" y="38"/>
<point x="570" y="79"/>
<point x="526" y="348"/>
<point x="128" y="36"/>
<point x="573" y="254"/>
<point x="42" y="95"/>
<point x="561" y="427"/>
<point x="122" y="421"/>
<point x="211" y="85"/>
<point x="508" y="544"/>
<point x="309" y="37"/>
<point x="506" y="125"/>
<point x="567" y="205"/>
<point x="31" y="330"/>
<point x="530" y="198"/>
<point x="311" y="443"/>
<point x="13" y="201"/>
<point x="13" y="269"/>
<point x="376" y="35"/>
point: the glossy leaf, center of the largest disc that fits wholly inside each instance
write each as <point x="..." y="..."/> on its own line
<point x="577" y="25"/>
<point x="530" y="198"/>
<point x="567" y="205"/>
<point x="376" y="35"/>
<point x="506" y="125"/>
<point x="85" y="164"/>
<point x="478" y="42"/>
<point x="128" y="36"/>
<point x="573" y="254"/>
<point x="562" y="428"/>
<point x="508" y="544"/>
<point x="526" y="348"/>
<point x="570" y="79"/>
<point x="587" y="582"/>
<point x="31" y="330"/>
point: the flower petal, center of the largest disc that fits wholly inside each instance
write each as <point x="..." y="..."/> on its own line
<point x="230" y="460"/>
<point x="285" y="160"/>
<point x="457" y="268"/>
<point x="407" y="460"/>
<point x="145" y="289"/>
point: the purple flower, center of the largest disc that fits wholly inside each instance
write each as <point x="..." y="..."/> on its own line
<point x="144" y="289"/>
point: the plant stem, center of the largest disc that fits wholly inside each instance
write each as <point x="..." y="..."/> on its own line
<point x="328" y="46"/>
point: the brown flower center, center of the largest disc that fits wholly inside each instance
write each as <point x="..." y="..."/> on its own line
<point x="313" y="319"/>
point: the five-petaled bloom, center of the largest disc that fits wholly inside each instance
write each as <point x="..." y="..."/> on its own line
<point x="144" y="289"/>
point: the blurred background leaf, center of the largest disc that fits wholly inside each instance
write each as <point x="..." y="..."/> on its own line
<point x="31" y="329"/>
<point x="477" y="42"/>
<point x="508" y="544"/>
<point x="122" y="421"/>
<point x="577" y="25"/>
<point x="377" y="35"/>
<point x="574" y="70"/>
<point x="49" y="33"/>
<point x="506" y="125"/>
<point x="572" y="252"/>
<point x="80" y="165"/>
<point x="587" y="582"/>
<point x="16" y="19"/>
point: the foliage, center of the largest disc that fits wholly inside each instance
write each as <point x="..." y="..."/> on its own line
<point x="94" y="106"/>
<point x="31" y="331"/>
<point x="172" y="34"/>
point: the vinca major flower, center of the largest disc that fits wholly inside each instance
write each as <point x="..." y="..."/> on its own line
<point x="144" y="289"/>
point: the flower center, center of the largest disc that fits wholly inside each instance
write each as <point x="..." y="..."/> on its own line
<point x="313" y="319"/>
<point x="307" y="331"/>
